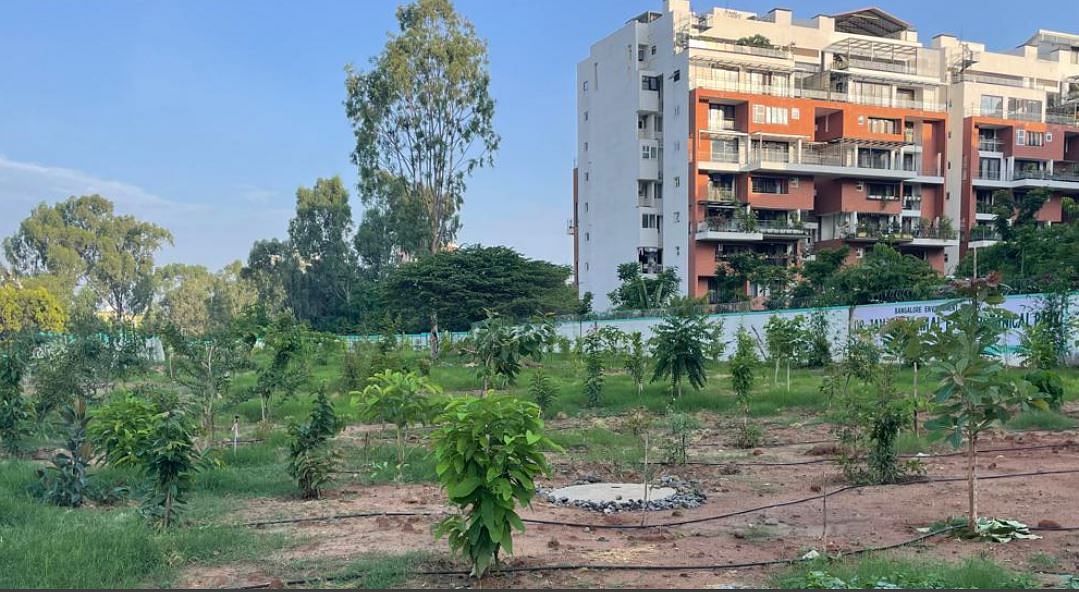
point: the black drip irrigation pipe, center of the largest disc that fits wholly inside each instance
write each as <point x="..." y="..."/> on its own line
<point x="613" y="567"/>
<point x="703" y="463"/>
<point x="702" y="519"/>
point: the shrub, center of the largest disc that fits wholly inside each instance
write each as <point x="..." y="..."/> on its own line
<point x="399" y="398"/>
<point x="680" y="428"/>
<point x="1049" y="384"/>
<point x="121" y="427"/>
<point x="311" y="461"/>
<point x="542" y="390"/>
<point x="171" y="461"/>
<point x="593" y="367"/>
<point x="65" y="482"/>
<point x="743" y="365"/>
<point x="489" y="452"/>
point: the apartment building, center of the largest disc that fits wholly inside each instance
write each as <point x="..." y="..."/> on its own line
<point x="780" y="136"/>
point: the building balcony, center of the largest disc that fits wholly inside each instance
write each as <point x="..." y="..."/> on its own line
<point x="983" y="207"/>
<point x="817" y="93"/>
<point x="986" y="145"/>
<point x="720" y="195"/>
<point x="719" y="229"/>
<point x="912" y="204"/>
<point x="1001" y="113"/>
<point x="872" y="235"/>
<point x="1063" y="179"/>
<point x="782" y="229"/>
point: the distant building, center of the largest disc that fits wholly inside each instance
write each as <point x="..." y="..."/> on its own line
<point x="704" y="135"/>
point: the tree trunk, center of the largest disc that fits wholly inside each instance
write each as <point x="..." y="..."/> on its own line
<point x="972" y="483"/>
<point x="263" y="404"/>
<point x="917" y="401"/>
<point x="167" y="518"/>
<point x="788" y="376"/>
<point x="775" y="375"/>
<point x="434" y="335"/>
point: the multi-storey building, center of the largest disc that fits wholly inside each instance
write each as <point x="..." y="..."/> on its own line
<point x="779" y="136"/>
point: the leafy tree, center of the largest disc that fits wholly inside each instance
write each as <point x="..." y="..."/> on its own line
<point x="499" y="347"/>
<point x="29" y="309"/>
<point x="289" y="363"/>
<point x="171" y="461"/>
<point x="880" y="272"/>
<point x="399" y="398"/>
<point x="489" y="452"/>
<point x="975" y="392"/>
<point x="818" y="349"/>
<point x="460" y="287"/>
<point x="65" y="482"/>
<point x="423" y="120"/>
<point x="205" y="364"/>
<point x="320" y="234"/>
<point x="743" y="368"/>
<point x="782" y="336"/>
<point x="638" y="292"/>
<point x="195" y="301"/>
<point x="679" y="344"/>
<point x="584" y="306"/>
<point x="16" y="411"/>
<point x="593" y="367"/>
<point x="1034" y="258"/>
<point x="89" y="361"/>
<point x="904" y="341"/>
<point x="311" y="460"/>
<point x="82" y="240"/>
<point x="635" y="363"/>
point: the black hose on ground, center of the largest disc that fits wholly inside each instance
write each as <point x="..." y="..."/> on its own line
<point x="668" y="524"/>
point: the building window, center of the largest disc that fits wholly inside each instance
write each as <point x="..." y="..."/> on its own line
<point x="586" y="176"/>
<point x="653" y="221"/>
<point x="796" y="113"/>
<point x="658" y="122"/>
<point x="586" y="206"/>
<point x="584" y="86"/>
<point x="653" y="50"/>
<point x="677" y="146"/>
<point x="1020" y="137"/>
<point x="586" y="146"/>
<point x="1035" y="139"/>
<point x="677" y="216"/>
<point x="677" y="75"/>
<point x="587" y="237"/>
<point x="677" y="181"/>
<point x="992" y="106"/>
<point x="586" y="115"/>
<point x="650" y="83"/>
<point x="773" y="115"/>
<point x="774" y="185"/>
<point x="644" y="153"/>
<point x="1026" y="109"/>
<point x="641" y="49"/>
<point x="883" y="126"/>
<point x="883" y="191"/>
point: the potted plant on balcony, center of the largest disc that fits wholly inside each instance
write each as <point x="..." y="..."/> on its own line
<point x="747" y="220"/>
<point x="946" y="228"/>
<point x="863" y="230"/>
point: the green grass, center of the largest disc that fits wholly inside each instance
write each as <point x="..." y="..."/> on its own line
<point x="868" y="571"/>
<point x="44" y="546"/>
<point x="369" y="572"/>
<point x="1041" y="420"/>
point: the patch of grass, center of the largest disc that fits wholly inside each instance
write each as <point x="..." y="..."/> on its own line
<point x="895" y="571"/>
<point x="908" y="443"/>
<point x="599" y="444"/>
<point x="50" y="547"/>
<point x="1043" y="561"/>
<point x="1036" y="419"/>
<point x="370" y="572"/>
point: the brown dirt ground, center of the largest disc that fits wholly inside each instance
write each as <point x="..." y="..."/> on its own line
<point x="865" y="517"/>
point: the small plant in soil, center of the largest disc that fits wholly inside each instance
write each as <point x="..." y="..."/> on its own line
<point x="743" y="367"/>
<point x="680" y="429"/>
<point x="542" y="390"/>
<point x="400" y="398"/>
<point x="635" y="363"/>
<point x="171" y="461"/>
<point x="65" y="481"/>
<point x="974" y="391"/>
<point x="593" y="369"/>
<point x="489" y="452"/>
<point x="311" y="459"/>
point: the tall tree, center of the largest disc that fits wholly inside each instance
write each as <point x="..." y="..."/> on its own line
<point x="320" y="235"/>
<point x="424" y="121"/>
<point x="423" y="117"/>
<point x="637" y="292"/>
<point x="82" y="241"/>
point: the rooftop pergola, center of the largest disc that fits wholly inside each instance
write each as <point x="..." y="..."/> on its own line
<point x="873" y="22"/>
<point x="875" y="49"/>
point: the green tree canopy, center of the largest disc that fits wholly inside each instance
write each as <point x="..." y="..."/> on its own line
<point x="638" y="292"/>
<point x="423" y="121"/>
<point x="82" y="241"/>
<point x="461" y="286"/>
<point x="29" y="309"/>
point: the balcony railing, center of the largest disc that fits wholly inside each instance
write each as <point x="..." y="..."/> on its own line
<point x="989" y="174"/>
<point x="870" y="64"/>
<point x="912" y="203"/>
<point x="987" y="145"/>
<point x="984" y="233"/>
<point x="651" y="268"/>
<point x="721" y="194"/>
<point x="1064" y="118"/>
<point x="767" y="155"/>
<point x="723" y="225"/>
<point x="779" y="260"/>
<point x="781" y="227"/>
<point x="882" y="196"/>
<point x="1001" y="113"/>
<point x="725" y="156"/>
<point x="832" y="158"/>
<point x="817" y="93"/>
<point x="773" y="227"/>
<point x="933" y="233"/>
<point x="782" y="53"/>
<point x="875" y="233"/>
<point x="1057" y="175"/>
<point x="983" y="207"/>
<point x="719" y="125"/>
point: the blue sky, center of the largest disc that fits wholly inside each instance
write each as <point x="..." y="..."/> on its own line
<point x="204" y="116"/>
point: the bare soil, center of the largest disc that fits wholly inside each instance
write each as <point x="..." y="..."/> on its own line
<point x="867" y="517"/>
